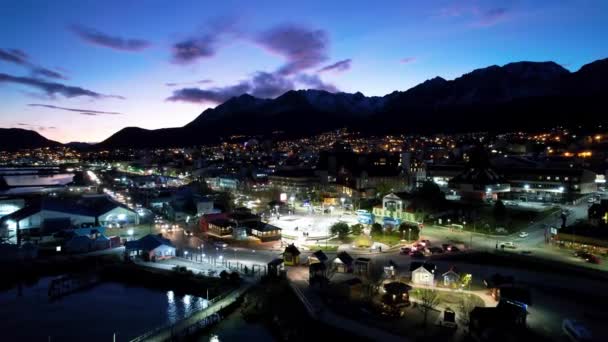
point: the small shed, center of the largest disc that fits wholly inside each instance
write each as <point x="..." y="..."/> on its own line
<point x="423" y="273"/>
<point x="291" y="255"/>
<point x="363" y="266"/>
<point x="451" y="278"/>
<point x="343" y="263"/>
<point x="317" y="257"/>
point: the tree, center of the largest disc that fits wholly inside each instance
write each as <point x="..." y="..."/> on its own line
<point x="465" y="306"/>
<point x="429" y="299"/>
<point x="383" y="189"/>
<point x="500" y="211"/>
<point x="356" y="229"/>
<point x="376" y="228"/>
<point x="340" y="228"/>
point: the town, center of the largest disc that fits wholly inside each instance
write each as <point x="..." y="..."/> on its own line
<point x="396" y="236"/>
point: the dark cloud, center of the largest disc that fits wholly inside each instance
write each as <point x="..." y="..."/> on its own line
<point x="40" y="128"/>
<point x="14" y="56"/>
<point x="174" y="84"/>
<point x="262" y="85"/>
<point x="303" y="48"/>
<point x="204" y="44"/>
<point x="80" y="111"/>
<point x="492" y="16"/>
<point x="117" y="43"/>
<point x="407" y="60"/>
<point x="52" y="88"/>
<point x="315" y="82"/>
<point x="21" y="58"/>
<point x="339" y="66"/>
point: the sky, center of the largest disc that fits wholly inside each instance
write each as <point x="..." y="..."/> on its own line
<point x="80" y="70"/>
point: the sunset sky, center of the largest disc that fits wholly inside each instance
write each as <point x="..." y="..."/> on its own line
<point x="81" y="70"/>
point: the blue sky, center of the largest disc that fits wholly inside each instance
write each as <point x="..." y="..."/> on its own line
<point x="81" y="70"/>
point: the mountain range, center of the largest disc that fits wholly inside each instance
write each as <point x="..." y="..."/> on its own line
<point x="520" y="95"/>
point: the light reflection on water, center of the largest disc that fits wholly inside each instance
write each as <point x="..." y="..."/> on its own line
<point x="124" y="310"/>
<point x="180" y="306"/>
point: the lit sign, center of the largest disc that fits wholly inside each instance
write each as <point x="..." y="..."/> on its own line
<point x="283" y="197"/>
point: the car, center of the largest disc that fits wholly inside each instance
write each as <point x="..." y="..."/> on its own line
<point x="523" y="235"/>
<point x="508" y="244"/>
<point x="435" y="250"/>
<point x="417" y="254"/>
<point x="594" y="259"/>
<point x="187" y="233"/>
<point x="405" y="250"/>
<point x="220" y="244"/>
<point x="453" y="249"/>
<point x="591" y="200"/>
<point x="425" y="243"/>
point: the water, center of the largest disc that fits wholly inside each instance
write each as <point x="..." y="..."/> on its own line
<point x="39" y="180"/>
<point x="235" y="328"/>
<point x="92" y="315"/>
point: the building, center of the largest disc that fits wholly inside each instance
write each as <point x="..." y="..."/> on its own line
<point x="343" y="263"/>
<point x="394" y="206"/>
<point x="220" y="227"/>
<point x="266" y="232"/>
<point x="422" y="273"/>
<point x="295" y="180"/>
<point x="94" y="210"/>
<point x="317" y="257"/>
<point x="291" y="255"/>
<point x="549" y="184"/>
<point x="363" y="266"/>
<point x="150" y="248"/>
<point x="451" y="278"/>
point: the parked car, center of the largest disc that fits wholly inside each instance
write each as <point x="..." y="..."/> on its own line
<point x="220" y="244"/>
<point x="417" y="254"/>
<point x="405" y="250"/>
<point x="435" y="250"/>
<point x="508" y="244"/>
<point x="425" y="243"/>
<point x="523" y="235"/>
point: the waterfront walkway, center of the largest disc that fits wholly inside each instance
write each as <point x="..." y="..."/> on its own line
<point x="193" y="322"/>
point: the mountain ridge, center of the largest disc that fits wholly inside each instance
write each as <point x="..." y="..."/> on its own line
<point x="518" y="95"/>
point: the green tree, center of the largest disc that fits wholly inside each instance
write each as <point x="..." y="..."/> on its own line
<point x="356" y="229"/>
<point x="383" y="189"/>
<point x="376" y="228"/>
<point x="340" y="228"/>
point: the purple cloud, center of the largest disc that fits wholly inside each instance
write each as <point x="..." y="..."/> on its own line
<point x="52" y="88"/>
<point x="117" y="43"/>
<point x="303" y="48"/>
<point x="315" y="82"/>
<point x="203" y="45"/>
<point x="262" y="85"/>
<point x="339" y="66"/>
<point x="174" y="84"/>
<point x="492" y="16"/>
<point x="80" y="111"/>
<point x="407" y="60"/>
<point x="19" y="57"/>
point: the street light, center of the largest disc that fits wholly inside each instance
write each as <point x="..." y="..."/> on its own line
<point x="130" y="233"/>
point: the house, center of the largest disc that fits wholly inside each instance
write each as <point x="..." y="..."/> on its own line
<point x="396" y="296"/>
<point x="423" y="273"/>
<point x="88" y="210"/>
<point x="390" y="269"/>
<point x="451" y="278"/>
<point x="317" y="257"/>
<point x="495" y="282"/>
<point x="491" y="323"/>
<point x="291" y="255"/>
<point x="266" y="232"/>
<point x="220" y="227"/>
<point x="317" y="272"/>
<point x="351" y="288"/>
<point x="394" y="207"/>
<point x="363" y="266"/>
<point x="343" y="263"/>
<point x="151" y="248"/>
